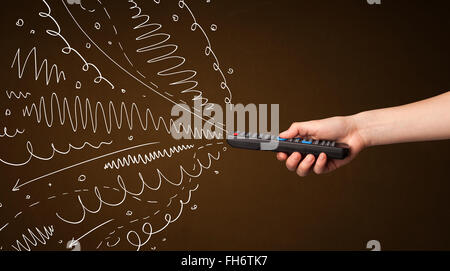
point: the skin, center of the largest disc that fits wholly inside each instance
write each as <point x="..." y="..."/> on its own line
<point x="420" y="121"/>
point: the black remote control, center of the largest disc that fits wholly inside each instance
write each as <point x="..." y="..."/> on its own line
<point x="255" y="141"/>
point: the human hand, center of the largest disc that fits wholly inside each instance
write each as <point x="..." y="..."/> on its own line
<point x="339" y="129"/>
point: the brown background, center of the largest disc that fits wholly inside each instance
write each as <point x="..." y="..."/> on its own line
<point x="318" y="59"/>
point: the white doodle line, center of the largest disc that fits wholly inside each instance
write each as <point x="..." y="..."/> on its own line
<point x="144" y="185"/>
<point x="74" y="241"/>
<point x="110" y="116"/>
<point x="34" y="204"/>
<point x="34" y="238"/>
<point x="208" y="50"/>
<point x="16" y="132"/>
<point x="150" y="233"/>
<point x="68" y="49"/>
<point x="37" y="72"/>
<point x="55" y="196"/>
<point x="201" y="147"/>
<point x="126" y="161"/>
<point x="170" y="200"/>
<point x="70" y="147"/>
<point x="174" y="220"/>
<point x="147" y="217"/>
<point x="134" y="77"/>
<point x="4" y="226"/>
<point x="157" y="45"/>
<point x="119" y="43"/>
<point x="19" y="95"/>
<point x="17" y="186"/>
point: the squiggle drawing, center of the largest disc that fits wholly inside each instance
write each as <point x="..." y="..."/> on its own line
<point x="147" y="158"/>
<point x="90" y="150"/>
<point x="17" y="131"/>
<point x="114" y="116"/>
<point x="37" y="71"/>
<point x="17" y="95"/>
<point x="34" y="239"/>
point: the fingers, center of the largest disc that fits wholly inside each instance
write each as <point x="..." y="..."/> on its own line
<point x="320" y="166"/>
<point x="293" y="160"/>
<point x="281" y="156"/>
<point x="305" y="166"/>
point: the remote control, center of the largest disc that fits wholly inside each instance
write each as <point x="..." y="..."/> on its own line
<point x="252" y="141"/>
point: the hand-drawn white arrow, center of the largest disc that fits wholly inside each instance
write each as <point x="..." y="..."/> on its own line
<point x="74" y="241"/>
<point x="17" y="186"/>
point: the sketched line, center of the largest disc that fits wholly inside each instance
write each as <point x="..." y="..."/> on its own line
<point x="54" y="151"/>
<point x="34" y="239"/>
<point x="89" y="10"/>
<point x="134" y="77"/>
<point x="5" y="133"/>
<point x="118" y="240"/>
<point x="182" y="203"/>
<point x="170" y="200"/>
<point x="208" y="50"/>
<point x="4" y="226"/>
<point x="17" y="186"/>
<point x="113" y="115"/>
<point x="120" y="44"/>
<point x="73" y="242"/>
<point x="163" y="42"/>
<point x="34" y="204"/>
<point x="68" y="49"/>
<point x="48" y="74"/>
<point x="126" y="161"/>
<point x="18" y="95"/>
<point x="99" y="245"/>
<point x="49" y="198"/>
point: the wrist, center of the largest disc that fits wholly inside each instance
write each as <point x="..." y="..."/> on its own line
<point x="358" y="123"/>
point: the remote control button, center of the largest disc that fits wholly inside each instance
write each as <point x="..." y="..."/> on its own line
<point x="328" y="143"/>
<point x="296" y="140"/>
<point x="304" y="141"/>
<point x="260" y="136"/>
<point x="281" y="139"/>
<point x="247" y="134"/>
<point x="322" y="142"/>
<point x="333" y="143"/>
<point x="315" y="142"/>
<point x="266" y="137"/>
<point x="235" y="134"/>
<point x="290" y="140"/>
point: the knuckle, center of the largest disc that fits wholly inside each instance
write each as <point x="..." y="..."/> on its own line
<point x="290" y="166"/>
<point x="295" y="124"/>
<point x="302" y="173"/>
<point x="318" y="170"/>
<point x="302" y="170"/>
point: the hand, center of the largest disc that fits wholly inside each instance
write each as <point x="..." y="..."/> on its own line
<point x="339" y="129"/>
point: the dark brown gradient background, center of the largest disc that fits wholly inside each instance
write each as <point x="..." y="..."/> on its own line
<point x="319" y="59"/>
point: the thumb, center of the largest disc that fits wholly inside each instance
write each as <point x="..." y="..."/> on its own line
<point x="293" y="131"/>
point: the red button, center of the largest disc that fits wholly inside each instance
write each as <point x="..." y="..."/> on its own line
<point x="235" y="134"/>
